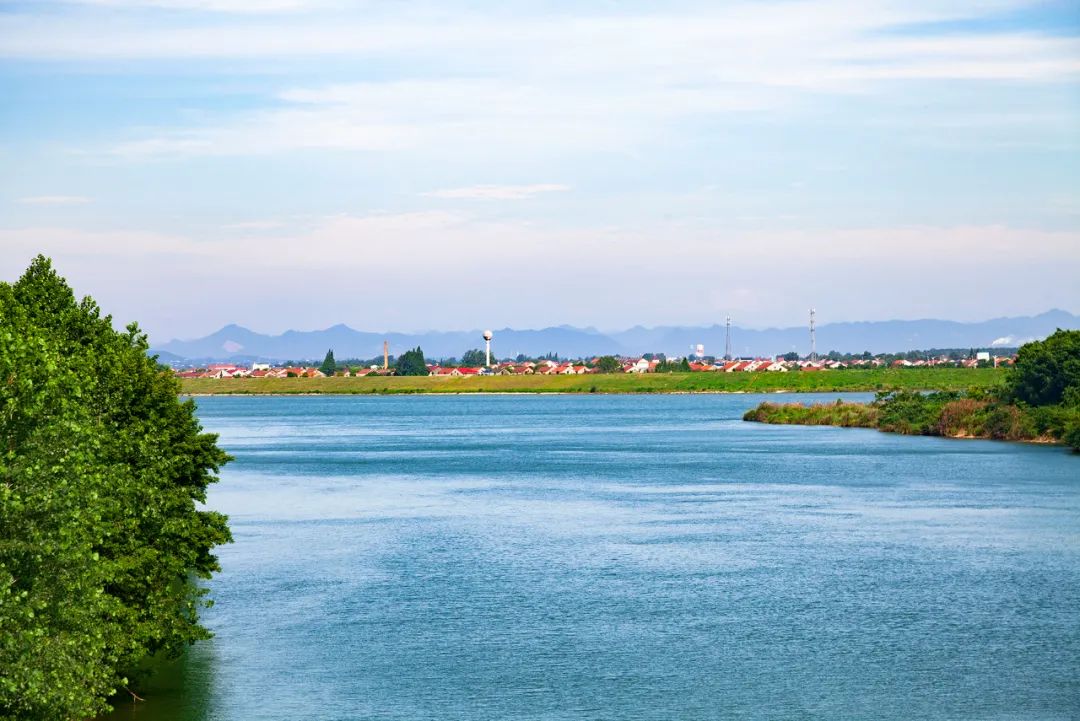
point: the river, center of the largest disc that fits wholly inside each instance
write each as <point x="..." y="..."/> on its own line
<point x="626" y="557"/>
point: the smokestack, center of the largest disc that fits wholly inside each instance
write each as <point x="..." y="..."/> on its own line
<point x="386" y="355"/>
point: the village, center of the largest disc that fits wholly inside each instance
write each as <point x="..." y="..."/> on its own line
<point x="601" y="364"/>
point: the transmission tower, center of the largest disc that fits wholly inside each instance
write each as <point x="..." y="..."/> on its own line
<point x="813" y="335"/>
<point x="727" y="339"/>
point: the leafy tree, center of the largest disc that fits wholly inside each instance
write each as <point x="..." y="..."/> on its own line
<point x="1048" y="372"/>
<point x="790" y="356"/>
<point x="412" y="363"/>
<point x="329" y="367"/>
<point x="474" y="358"/>
<point x="608" y="364"/>
<point x="101" y="471"/>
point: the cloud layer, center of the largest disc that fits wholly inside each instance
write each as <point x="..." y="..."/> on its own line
<point x="604" y="163"/>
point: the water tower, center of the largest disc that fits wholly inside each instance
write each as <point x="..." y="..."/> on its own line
<point x="487" y="345"/>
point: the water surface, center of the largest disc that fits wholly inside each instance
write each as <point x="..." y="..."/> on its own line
<point x="627" y="557"/>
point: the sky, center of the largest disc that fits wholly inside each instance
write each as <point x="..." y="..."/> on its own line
<point x="462" y="164"/>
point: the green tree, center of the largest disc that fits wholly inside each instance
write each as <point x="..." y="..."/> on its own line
<point x="329" y="367"/>
<point x="1048" y="372"/>
<point x="474" y="358"/>
<point x="101" y="539"/>
<point x="411" y="363"/>
<point x="608" y="364"/>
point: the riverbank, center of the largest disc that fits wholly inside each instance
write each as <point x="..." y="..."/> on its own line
<point x="844" y="381"/>
<point x="947" y="415"/>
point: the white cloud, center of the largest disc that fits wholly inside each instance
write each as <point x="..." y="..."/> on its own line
<point x="511" y="83"/>
<point x="253" y="225"/>
<point x="54" y="200"/>
<point x="498" y="192"/>
<point x="434" y="239"/>
<point x="247" y="7"/>
<point x="358" y="260"/>
<point x="1005" y="341"/>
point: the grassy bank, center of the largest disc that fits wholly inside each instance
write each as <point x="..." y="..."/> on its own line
<point x="945" y="414"/>
<point x="845" y="415"/>
<point x="824" y="382"/>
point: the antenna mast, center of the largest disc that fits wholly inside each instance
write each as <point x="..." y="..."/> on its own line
<point x="727" y="339"/>
<point x="813" y="335"/>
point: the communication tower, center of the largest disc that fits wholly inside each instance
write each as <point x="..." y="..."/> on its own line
<point x="727" y="339"/>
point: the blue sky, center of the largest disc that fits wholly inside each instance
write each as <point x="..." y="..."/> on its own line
<point x="410" y="166"/>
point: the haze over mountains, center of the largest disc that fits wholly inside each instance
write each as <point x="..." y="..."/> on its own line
<point x="236" y="343"/>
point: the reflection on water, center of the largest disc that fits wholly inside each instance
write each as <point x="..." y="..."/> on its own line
<point x="640" y="557"/>
<point x="177" y="690"/>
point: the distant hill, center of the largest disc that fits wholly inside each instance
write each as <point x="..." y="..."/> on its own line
<point x="239" y="344"/>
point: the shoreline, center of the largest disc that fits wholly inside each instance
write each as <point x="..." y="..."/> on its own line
<point x="868" y="417"/>
<point x="843" y="381"/>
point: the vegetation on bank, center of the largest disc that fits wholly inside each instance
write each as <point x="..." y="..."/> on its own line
<point x="102" y="541"/>
<point x="840" y="413"/>
<point x="829" y="381"/>
<point x="1038" y="400"/>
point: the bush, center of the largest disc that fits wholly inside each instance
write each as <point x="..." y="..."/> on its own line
<point x="911" y="412"/>
<point x="963" y="417"/>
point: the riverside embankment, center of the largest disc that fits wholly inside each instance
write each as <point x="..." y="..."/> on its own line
<point x="938" y="379"/>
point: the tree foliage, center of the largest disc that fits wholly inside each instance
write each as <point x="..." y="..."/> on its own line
<point x="608" y="364"/>
<point x="101" y="471"/>
<point x="474" y="358"/>
<point x="329" y="366"/>
<point x="411" y="363"/>
<point x="1048" y="372"/>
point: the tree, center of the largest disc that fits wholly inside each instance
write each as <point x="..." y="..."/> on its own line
<point x="101" y="536"/>
<point x="608" y="364"/>
<point x="473" y="358"/>
<point x="790" y="356"/>
<point x="1048" y="372"/>
<point x="411" y="363"/>
<point x="329" y="367"/>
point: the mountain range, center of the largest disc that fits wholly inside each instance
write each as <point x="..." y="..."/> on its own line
<point x="238" y="344"/>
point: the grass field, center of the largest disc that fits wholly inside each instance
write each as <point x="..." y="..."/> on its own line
<point x="828" y="382"/>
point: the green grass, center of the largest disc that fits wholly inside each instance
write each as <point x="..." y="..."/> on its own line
<point x="845" y="415"/>
<point x="818" y="382"/>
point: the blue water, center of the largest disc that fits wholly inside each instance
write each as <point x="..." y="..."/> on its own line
<point x="627" y="557"/>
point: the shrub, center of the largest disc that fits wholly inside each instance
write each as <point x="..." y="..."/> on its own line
<point x="963" y="417"/>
